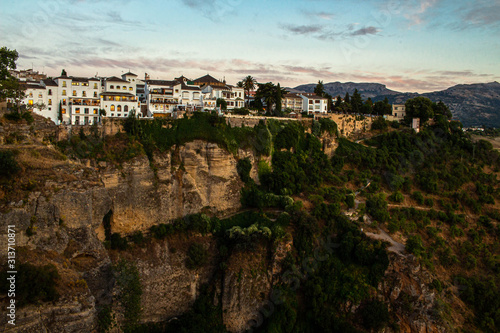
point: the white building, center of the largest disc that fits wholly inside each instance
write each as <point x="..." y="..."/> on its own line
<point x="119" y="98"/>
<point x="213" y="89"/>
<point x="84" y="102"/>
<point x="160" y="99"/>
<point x="312" y="103"/>
<point x="35" y="97"/>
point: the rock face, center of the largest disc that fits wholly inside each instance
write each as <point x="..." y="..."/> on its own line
<point x="406" y="286"/>
<point x="197" y="175"/>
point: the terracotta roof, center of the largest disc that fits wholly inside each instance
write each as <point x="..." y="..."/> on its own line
<point x="292" y="95"/>
<point x="115" y="79"/>
<point x="50" y="82"/>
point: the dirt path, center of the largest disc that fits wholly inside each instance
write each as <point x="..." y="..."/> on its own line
<point x="395" y="247"/>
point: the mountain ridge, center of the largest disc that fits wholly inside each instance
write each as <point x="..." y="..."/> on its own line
<point x="473" y="104"/>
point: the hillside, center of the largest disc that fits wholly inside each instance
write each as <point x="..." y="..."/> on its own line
<point x="192" y="225"/>
<point x="472" y="104"/>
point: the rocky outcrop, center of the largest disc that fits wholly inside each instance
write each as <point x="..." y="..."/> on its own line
<point x="407" y="287"/>
<point x="194" y="177"/>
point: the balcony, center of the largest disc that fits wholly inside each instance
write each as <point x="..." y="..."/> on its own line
<point x="161" y="101"/>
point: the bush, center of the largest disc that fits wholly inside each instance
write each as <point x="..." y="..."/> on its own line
<point x="379" y="124"/>
<point x="33" y="284"/>
<point x="397" y="197"/>
<point x="376" y="206"/>
<point x="244" y="166"/>
<point x="414" y="245"/>
<point x="118" y="242"/>
<point x="197" y="256"/>
<point x="8" y="164"/>
<point x="375" y="315"/>
<point x="418" y="197"/>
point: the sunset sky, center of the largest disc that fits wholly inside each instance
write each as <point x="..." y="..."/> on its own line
<point x="413" y="45"/>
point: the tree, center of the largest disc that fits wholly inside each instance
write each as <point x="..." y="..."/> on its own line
<point x="277" y="111"/>
<point x="249" y="84"/>
<point x="268" y="93"/>
<point x="356" y="102"/>
<point x="320" y="89"/>
<point x="59" y="113"/>
<point x="381" y="108"/>
<point x="347" y="98"/>
<point x="240" y="84"/>
<point x="9" y="85"/>
<point x="63" y="72"/>
<point x="441" y="109"/>
<point x="221" y="102"/>
<point x="419" y="107"/>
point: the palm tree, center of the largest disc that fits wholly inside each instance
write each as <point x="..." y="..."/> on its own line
<point x="249" y="84"/>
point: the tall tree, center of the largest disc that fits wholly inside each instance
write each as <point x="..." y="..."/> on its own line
<point x="249" y="84"/>
<point x="267" y="92"/>
<point x="347" y="98"/>
<point x="356" y="102"/>
<point x="278" y="100"/>
<point x="320" y="89"/>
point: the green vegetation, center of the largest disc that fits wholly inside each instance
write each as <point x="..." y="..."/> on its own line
<point x="130" y="291"/>
<point x="8" y="164"/>
<point x="197" y="256"/>
<point x="34" y="284"/>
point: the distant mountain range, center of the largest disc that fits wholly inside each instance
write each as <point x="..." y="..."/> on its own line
<point x="472" y="104"/>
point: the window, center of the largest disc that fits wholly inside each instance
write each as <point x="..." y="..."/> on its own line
<point x="40" y="95"/>
<point x="112" y="107"/>
<point x="84" y="94"/>
<point x="125" y="108"/>
<point x="50" y="92"/>
<point x="30" y="102"/>
<point x="75" y="83"/>
<point x="124" y="88"/>
<point x="117" y="87"/>
<point x="77" y="120"/>
<point x="119" y="115"/>
<point x="117" y="98"/>
<point x="95" y="93"/>
<point x="86" y="120"/>
<point x="64" y="92"/>
<point x="31" y="94"/>
<point x="50" y="102"/>
<point x="64" y="84"/>
<point x="112" y="115"/>
<point x="95" y="85"/>
<point x="119" y="108"/>
<point x="95" y="111"/>
<point x="74" y="92"/>
<point x="64" y="101"/>
<point x="310" y="101"/>
<point x="63" y="111"/>
<point x="395" y="115"/>
<point x="317" y="101"/>
<point x="77" y="110"/>
<point x="131" y="89"/>
<point x="86" y="84"/>
<point x="86" y="110"/>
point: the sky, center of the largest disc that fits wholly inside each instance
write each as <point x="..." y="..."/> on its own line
<point x="408" y="45"/>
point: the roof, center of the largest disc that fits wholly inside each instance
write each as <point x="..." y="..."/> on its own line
<point x="115" y="79"/>
<point x="130" y="73"/>
<point x="162" y="83"/>
<point x="186" y="87"/>
<point x="108" y="93"/>
<point x="207" y="79"/>
<point x="49" y="82"/>
<point x="292" y="95"/>
<point x="32" y="85"/>
<point x="312" y="96"/>
<point x="79" y="79"/>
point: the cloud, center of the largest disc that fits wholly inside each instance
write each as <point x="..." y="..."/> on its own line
<point x="482" y="13"/>
<point x="303" y="29"/>
<point x="214" y="10"/>
<point x="365" y="31"/>
<point x="321" y="15"/>
<point x="415" y="11"/>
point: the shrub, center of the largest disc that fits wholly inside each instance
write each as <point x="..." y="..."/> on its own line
<point x="414" y="245"/>
<point x="244" y="166"/>
<point x="375" y="315"/>
<point x="33" y="284"/>
<point x="118" y="242"/>
<point x="8" y="164"/>
<point x="397" y="197"/>
<point x="379" y="124"/>
<point x="376" y="206"/>
<point x="197" y="256"/>
<point x="418" y="197"/>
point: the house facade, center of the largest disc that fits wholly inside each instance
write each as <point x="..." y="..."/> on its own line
<point x="398" y="111"/>
<point x="119" y="99"/>
<point x="293" y="102"/>
<point x="312" y="103"/>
